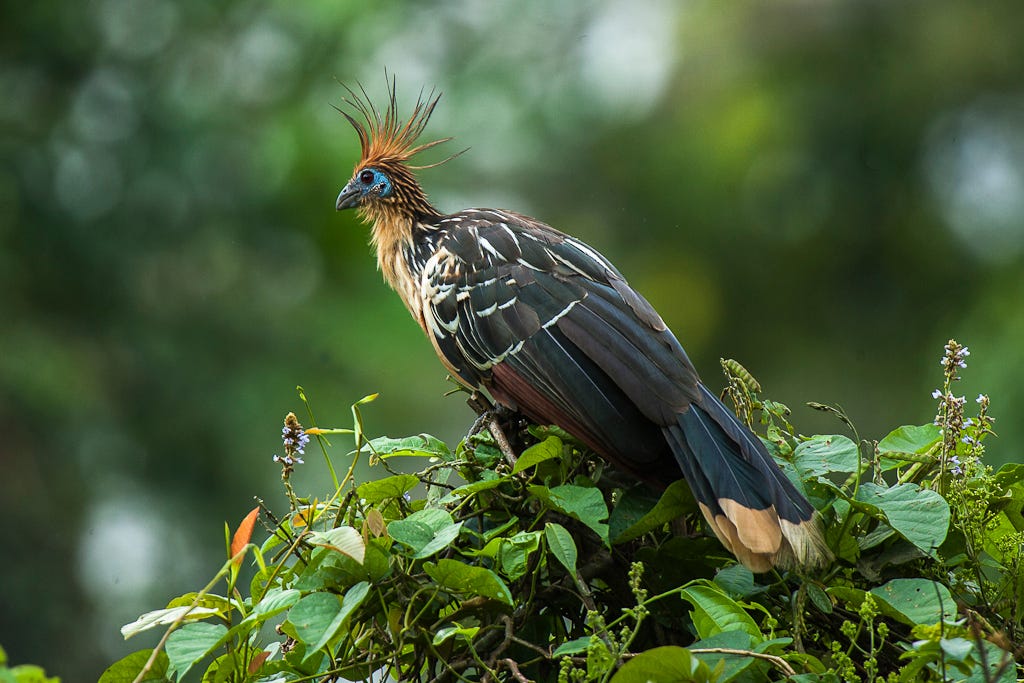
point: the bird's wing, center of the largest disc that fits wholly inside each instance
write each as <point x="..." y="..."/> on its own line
<point x="546" y="323"/>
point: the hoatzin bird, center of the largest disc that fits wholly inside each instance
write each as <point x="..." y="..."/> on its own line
<point x="549" y="327"/>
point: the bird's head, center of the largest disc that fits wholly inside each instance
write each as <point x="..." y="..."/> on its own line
<point x="369" y="184"/>
<point x="383" y="185"/>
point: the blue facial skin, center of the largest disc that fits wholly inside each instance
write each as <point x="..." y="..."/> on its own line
<point x="369" y="182"/>
<point x="373" y="181"/>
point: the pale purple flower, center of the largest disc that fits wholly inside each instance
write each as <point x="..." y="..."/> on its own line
<point x="956" y="469"/>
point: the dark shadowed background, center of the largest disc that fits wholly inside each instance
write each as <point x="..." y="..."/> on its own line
<point x="826" y="191"/>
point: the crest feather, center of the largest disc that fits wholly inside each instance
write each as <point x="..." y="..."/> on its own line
<point x="385" y="138"/>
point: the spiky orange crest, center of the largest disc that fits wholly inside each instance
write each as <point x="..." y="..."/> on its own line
<point x="386" y="139"/>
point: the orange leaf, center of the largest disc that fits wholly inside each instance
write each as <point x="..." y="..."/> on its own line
<point x="242" y="536"/>
<point x="258" y="660"/>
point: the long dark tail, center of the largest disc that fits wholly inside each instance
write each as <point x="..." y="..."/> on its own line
<point x="755" y="511"/>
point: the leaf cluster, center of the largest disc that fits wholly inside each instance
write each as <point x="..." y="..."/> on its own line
<point x="541" y="564"/>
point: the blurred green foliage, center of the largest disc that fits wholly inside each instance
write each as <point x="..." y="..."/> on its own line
<point x="825" y="191"/>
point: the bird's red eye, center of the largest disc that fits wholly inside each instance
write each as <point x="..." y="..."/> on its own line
<point x="366" y="177"/>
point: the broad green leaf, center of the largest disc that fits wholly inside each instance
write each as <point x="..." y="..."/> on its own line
<point x="274" y="602"/>
<point x="919" y="515"/>
<point x="441" y="540"/>
<point x="996" y="659"/>
<point x="459" y="578"/>
<point x="318" y="617"/>
<point x="1009" y="474"/>
<point x="547" y="449"/>
<point x="389" y="487"/>
<point x="313" y="616"/>
<point x="426" y="532"/>
<point x="165" y="617"/>
<point x="127" y="668"/>
<point x="823" y="454"/>
<point x="489" y="479"/>
<point x="956" y="649"/>
<point x="668" y="664"/>
<point x="917" y="601"/>
<point x="908" y="439"/>
<point x="635" y="515"/>
<point x="572" y="647"/>
<point x="354" y="597"/>
<point x="715" y="612"/>
<point x="189" y="644"/>
<point x="446" y="632"/>
<point x="579" y="502"/>
<point x="731" y="664"/>
<point x="738" y="581"/>
<point x="819" y="598"/>
<point x="514" y="553"/>
<point x="420" y="446"/>
<point x="911" y="439"/>
<point x="343" y="539"/>
<point x="211" y="600"/>
<point x="561" y="545"/>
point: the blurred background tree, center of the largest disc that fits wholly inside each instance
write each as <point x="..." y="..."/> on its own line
<point x="826" y="191"/>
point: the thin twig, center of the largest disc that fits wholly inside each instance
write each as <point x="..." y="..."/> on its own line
<point x="499" y="436"/>
<point x="513" y="668"/>
<point x="780" y="663"/>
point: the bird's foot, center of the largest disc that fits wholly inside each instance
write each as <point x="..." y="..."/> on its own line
<point x="489" y="417"/>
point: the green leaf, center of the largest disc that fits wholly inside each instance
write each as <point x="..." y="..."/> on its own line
<point x="127" y="668"/>
<point x="731" y="664"/>
<point x="343" y="539"/>
<point x="583" y="503"/>
<point x="917" y="601"/>
<point x="912" y="439"/>
<point x="956" y="649"/>
<point x="1009" y="474"/>
<point x="166" y="617"/>
<point x="489" y="479"/>
<point x="26" y="673"/>
<point x="572" y="647"/>
<point x="738" y="581"/>
<point x="996" y="658"/>
<point x="319" y="617"/>
<point x="919" y="515"/>
<point x="274" y="602"/>
<point x="561" y="545"/>
<point x="547" y="449"/>
<point x="514" y="553"/>
<point x="634" y="515"/>
<point x="459" y="578"/>
<point x="668" y="664"/>
<point x="426" y="532"/>
<point x="387" y="488"/>
<point x="189" y="644"/>
<point x="354" y="597"/>
<point x="313" y="616"/>
<point x="446" y="632"/>
<point x="714" y="612"/>
<point x="819" y="598"/>
<point x="823" y="454"/>
<point x="420" y="446"/>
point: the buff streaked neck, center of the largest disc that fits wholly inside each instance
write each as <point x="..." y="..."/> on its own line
<point x="393" y="234"/>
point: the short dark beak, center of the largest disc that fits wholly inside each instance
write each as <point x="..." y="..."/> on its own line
<point x="349" y="197"/>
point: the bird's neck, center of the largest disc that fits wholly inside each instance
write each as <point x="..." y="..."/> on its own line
<point x="395" y="236"/>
